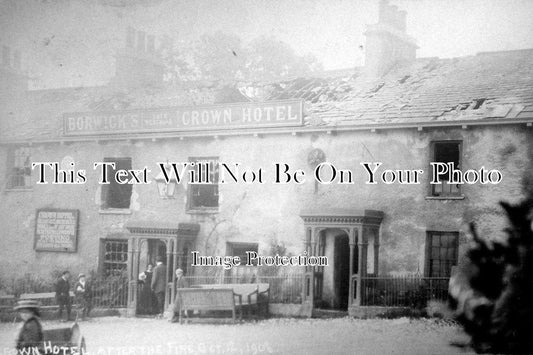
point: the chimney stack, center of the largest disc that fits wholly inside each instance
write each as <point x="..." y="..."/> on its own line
<point x="130" y="37"/>
<point x="139" y="64"/>
<point x="6" y="56"/>
<point x="12" y="79"/>
<point x="387" y="43"/>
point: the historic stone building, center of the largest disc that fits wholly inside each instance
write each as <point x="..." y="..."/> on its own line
<point x="402" y="111"/>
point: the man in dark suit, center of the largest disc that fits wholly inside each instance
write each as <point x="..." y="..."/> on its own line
<point x="159" y="283"/>
<point x="63" y="294"/>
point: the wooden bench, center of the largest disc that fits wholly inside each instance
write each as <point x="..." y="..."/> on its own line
<point x="221" y="299"/>
<point x="255" y="296"/>
<point x="46" y="299"/>
<point x="7" y="302"/>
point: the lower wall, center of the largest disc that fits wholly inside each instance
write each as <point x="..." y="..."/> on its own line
<point x="287" y="310"/>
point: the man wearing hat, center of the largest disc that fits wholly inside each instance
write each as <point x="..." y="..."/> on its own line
<point x="159" y="284"/>
<point x="180" y="283"/>
<point x="83" y="293"/>
<point x="63" y="294"/>
<point x="31" y="333"/>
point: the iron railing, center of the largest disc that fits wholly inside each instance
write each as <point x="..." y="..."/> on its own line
<point x="111" y="292"/>
<point x="402" y="291"/>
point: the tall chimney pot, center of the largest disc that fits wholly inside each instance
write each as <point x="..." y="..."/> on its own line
<point x="16" y="60"/>
<point x="130" y="37"/>
<point x="6" y="56"/>
<point x="141" y="45"/>
<point x="387" y="42"/>
<point x="150" y="44"/>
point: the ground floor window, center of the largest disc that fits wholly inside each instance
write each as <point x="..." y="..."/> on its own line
<point x="441" y="253"/>
<point x="114" y="257"/>
<point x="240" y="249"/>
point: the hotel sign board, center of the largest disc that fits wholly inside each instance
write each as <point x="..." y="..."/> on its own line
<point x="56" y="230"/>
<point x="285" y="113"/>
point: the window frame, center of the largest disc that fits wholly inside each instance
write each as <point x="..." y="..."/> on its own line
<point x="428" y="252"/>
<point x="243" y="271"/>
<point x="103" y="262"/>
<point x="104" y="195"/>
<point x="431" y="189"/>
<point x="190" y="206"/>
<point x="25" y="173"/>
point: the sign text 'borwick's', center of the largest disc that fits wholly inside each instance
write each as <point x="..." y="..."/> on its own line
<point x="176" y="119"/>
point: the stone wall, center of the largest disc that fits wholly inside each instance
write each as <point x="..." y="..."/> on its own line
<point x="265" y="212"/>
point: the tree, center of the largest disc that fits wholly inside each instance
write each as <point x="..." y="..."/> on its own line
<point x="223" y="57"/>
<point x="271" y="59"/>
<point x="492" y="294"/>
<point x="219" y="56"/>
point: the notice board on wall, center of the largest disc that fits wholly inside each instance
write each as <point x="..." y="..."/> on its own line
<point x="56" y="230"/>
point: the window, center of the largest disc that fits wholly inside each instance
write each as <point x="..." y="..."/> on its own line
<point x="115" y="195"/>
<point x="242" y="272"/>
<point x="19" y="176"/>
<point x="204" y="196"/>
<point x="441" y="253"/>
<point x="114" y="257"/>
<point x="446" y="152"/>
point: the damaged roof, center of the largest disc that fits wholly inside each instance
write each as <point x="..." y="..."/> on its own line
<point x="488" y="86"/>
<point x="485" y="86"/>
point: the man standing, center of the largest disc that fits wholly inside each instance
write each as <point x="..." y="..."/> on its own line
<point x="159" y="283"/>
<point x="180" y="283"/>
<point x="83" y="295"/>
<point x="63" y="294"/>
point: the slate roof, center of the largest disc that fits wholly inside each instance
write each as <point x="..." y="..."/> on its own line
<point x="485" y="87"/>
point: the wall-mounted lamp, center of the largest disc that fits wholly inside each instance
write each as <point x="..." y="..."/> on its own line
<point x="166" y="189"/>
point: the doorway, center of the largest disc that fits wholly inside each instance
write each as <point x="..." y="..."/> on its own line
<point x="341" y="271"/>
<point x="150" y="250"/>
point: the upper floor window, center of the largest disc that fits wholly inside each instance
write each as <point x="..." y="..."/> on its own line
<point x="446" y="152"/>
<point x="204" y="196"/>
<point x="19" y="171"/>
<point x="115" y="195"/>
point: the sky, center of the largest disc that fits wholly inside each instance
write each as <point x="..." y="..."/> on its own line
<point x="73" y="42"/>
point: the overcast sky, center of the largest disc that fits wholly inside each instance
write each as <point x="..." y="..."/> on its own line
<point x="72" y="42"/>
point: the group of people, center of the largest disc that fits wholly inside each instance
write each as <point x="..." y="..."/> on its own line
<point x="153" y="283"/>
<point x="152" y="297"/>
<point x="31" y="333"/>
<point x="82" y="292"/>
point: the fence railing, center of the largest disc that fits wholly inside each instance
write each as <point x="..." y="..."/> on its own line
<point x="402" y="291"/>
<point x="110" y="293"/>
<point x="106" y="293"/>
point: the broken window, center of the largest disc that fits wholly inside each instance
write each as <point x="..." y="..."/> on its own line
<point x="19" y="174"/>
<point x="115" y="195"/>
<point x="441" y="253"/>
<point x="204" y="195"/>
<point x="446" y="152"/>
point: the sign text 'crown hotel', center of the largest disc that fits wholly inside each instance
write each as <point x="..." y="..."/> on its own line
<point x="175" y="119"/>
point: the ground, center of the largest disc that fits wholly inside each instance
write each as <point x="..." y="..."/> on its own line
<point x="136" y="336"/>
